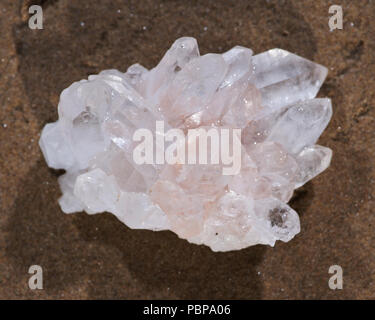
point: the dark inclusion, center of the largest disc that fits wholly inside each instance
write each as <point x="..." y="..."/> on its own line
<point x="277" y="217"/>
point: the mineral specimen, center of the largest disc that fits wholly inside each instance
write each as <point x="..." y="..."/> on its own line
<point x="270" y="97"/>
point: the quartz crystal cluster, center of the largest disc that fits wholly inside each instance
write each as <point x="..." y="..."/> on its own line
<point x="269" y="96"/>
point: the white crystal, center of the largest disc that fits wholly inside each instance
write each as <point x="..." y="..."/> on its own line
<point x="271" y="96"/>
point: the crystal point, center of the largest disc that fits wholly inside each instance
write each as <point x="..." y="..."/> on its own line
<point x="284" y="78"/>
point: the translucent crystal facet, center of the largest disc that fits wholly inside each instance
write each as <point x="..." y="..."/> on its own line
<point x="270" y="97"/>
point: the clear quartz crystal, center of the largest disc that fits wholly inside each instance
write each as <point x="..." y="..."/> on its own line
<point x="270" y="96"/>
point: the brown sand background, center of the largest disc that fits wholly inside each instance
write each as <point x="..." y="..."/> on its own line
<point x="98" y="257"/>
